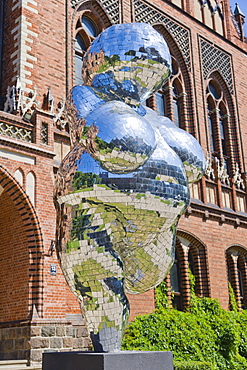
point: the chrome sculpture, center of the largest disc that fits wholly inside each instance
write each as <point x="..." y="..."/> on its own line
<point x="121" y="190"/>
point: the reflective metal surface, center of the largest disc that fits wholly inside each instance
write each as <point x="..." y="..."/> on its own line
<point x="119" y="138"/>
<point x="185" y="145"/>
<point x="134" y="64"/>
<point x="120" y="191"/>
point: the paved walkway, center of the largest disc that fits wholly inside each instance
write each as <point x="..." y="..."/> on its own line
<point x="18" y="365"/>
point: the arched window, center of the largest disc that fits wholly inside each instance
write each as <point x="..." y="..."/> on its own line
<point x="80" y="48"/>
<point x="218" y="124"/>
<point x="89" y="26"/>
<point x="237" y="273"/>
<point x="86" y="31"/>
<point x="189" y="255"/>
<point x="169" y="100"/>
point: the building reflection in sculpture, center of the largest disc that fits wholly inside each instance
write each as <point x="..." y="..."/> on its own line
<point x="124" y="185"/>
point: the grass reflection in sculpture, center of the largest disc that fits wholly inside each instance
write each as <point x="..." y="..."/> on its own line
<point x="121" y="190"/>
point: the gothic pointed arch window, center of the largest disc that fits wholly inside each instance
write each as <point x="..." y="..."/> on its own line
<point x="170" y="100"/>
<point x="236" y="258"/>
<point x="86" y="31"/>
<point x="190" y="257"/>
<point x="223" y="146"/>
<point x="218" y="123"/>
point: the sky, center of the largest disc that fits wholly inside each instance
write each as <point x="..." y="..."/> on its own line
<point x="243" y="6"/>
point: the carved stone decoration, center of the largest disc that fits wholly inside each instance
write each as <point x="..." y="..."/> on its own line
<point x="122" y="188"/>
<point x="222" y="173"/>
<point x="237" y="178"/>
<point x="14" y="98"/>
<point x="30" y="105"/>
<point x="50" y="100"/>
<point x="209" y="169"/>
<point x="145" y="13"/>
<point x="60" y="117"/>
<point x="213" y="59"/>
<point x="17" y="103"/>
<point x="15" y="132"/>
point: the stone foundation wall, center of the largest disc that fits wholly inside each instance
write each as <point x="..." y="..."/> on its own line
<point x="30" y="341"/>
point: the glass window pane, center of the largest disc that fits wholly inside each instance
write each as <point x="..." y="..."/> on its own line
<point x="215" y="91"/>
<point x="191" y="262"/>
<point x="174" y="278"/>
<point x="89" y="26"/>
<point x="79" y="43"/>
<point x="210" y="125"/>
<point x="176" y="112"/>
<point x="175" y="90"/>
<point x="160" y="104"/>
<point x="223" y="137"/>
<point x="78" y="67"/>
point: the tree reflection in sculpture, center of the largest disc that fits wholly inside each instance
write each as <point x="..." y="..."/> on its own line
<point x="121" y="190"/>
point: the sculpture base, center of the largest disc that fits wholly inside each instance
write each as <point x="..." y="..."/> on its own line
<point x="123" y="360"/>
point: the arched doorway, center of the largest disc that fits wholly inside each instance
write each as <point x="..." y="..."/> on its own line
<point x="20" y="264"/>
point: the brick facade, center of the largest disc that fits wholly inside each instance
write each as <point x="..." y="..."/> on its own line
<point x="37" y="310"/>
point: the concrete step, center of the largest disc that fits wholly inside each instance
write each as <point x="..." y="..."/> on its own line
<point x="18" y="365"/>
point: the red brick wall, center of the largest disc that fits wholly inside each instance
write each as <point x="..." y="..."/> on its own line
<point x="9" y="46"/>
<point x="14" y="263"/>
<point x="55" y="299"/>
<point x="141" y="304"/>
<point x="50" y="71"/>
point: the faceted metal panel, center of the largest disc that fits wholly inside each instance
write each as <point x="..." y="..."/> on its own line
<point x="120" y="139"/>
<point x="184" y="145"/>
<point x="129" y="68"/>
<point x="121" y="190"/>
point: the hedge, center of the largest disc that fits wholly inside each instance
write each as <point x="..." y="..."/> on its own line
<point x="191" y="365"/>
<point x="204" y="334"/>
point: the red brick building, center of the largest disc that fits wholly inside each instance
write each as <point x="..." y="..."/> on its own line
<point x="41" y="46"/>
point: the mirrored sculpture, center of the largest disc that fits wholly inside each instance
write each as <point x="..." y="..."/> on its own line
<point x="120" y="191"/>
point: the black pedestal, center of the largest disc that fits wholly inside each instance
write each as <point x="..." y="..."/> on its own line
<point x="124" y="360"/>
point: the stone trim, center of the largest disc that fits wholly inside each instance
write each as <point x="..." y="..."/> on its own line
<point x="23" y="60"/>
<point x="28" y="342"/>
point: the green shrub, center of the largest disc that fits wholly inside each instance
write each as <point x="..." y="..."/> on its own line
<point x="205" y="334"/>
<point x="191" y="365"/>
